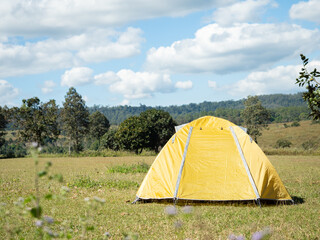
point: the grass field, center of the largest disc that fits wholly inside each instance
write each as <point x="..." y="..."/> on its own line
<point x="104" y="178"/>
<point x="296" y="135"/>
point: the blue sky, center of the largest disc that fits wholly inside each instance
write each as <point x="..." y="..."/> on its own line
<point x="157" y="53"/>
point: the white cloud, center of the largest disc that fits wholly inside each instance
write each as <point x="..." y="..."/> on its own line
<point x="85" y="98"/>
<point x="48" y="87"/>
<point x="238" y="48"/>
<point x="280" y="79"/>
<point x="134" y="85"/>
<point x="308" y="10"/>
<point x="77" y="76"/>
<point x="184" y="84"/>
<point x="241" y="12"/>
<point x="125" y="102"/>
<point x="7" y="93"/>
<point x="51" y="17"/>
<point x="106" y="78"/>
<point x="50" y="54"/>
<point x="212" y="84"/>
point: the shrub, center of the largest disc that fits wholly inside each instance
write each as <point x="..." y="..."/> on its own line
<point x="285" y="125"/>
<point x="295" y="124"/>
<point x="307" y="145"/>
<point x="283" y="143"/>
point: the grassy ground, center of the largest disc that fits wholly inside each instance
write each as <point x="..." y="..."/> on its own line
<point x="101" y="177"/>
<point x="297" y="135"/>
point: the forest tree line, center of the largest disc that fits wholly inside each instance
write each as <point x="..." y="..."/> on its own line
<point x="283" y="108"/>
<point x="74" y="127"/>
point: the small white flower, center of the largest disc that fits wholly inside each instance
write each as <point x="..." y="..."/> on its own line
<point x="48" y="219"/>
<point x="39" y="223"/>
<point x="101" y="200"/>
<point x="171" y="210"/>
<point x="187" y="209"/>
<point x="87" y="199"/>
<point x="66" y="189"/>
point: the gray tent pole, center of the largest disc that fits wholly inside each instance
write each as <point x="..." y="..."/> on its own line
<point x="246" y="166"/>
<point x="182" y="164"/>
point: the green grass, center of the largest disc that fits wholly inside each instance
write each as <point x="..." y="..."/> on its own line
<point x="136" y="168"/>
<point x="90" y="177"/>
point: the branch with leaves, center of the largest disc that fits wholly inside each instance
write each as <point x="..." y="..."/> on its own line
<point x="309" y="80"/>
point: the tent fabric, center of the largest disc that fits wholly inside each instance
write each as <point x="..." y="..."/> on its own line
<point x="219" y="162"/>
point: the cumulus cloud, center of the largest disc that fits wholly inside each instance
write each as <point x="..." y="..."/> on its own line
<point x="106" y="78"/>
<point x="51" y="17"/>
<point x="184" y="84"/>
<point x="7" y="93"/>
<point x="212" y="84"/>
<point x="48" y="87"/>
<point x="308" y="10"/>
<point x="77" y="76"/>
<point x="238" y="48"/>
<point x="50" y="54"/>
<point x="134" y="85"/>
<point x="280" y="79"/>
<point x="241" y="12"/>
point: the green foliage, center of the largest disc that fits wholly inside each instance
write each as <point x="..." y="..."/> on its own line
<point x="295" y="124"/>
<point x="3" y="124"/>
<point x="160" y="127"/>
<point x="255" y="116"/>
<point x="37" y="121"/>
<point x="133" y="134"/>
<point x="136" y="168"/>
<point x="312" y="96"/>
<point x="98" y="125"/>
<point x="109" y="140"/>
<point x="75" y="116"/>
<point x="230" y="109"/>
<point x="12" y="149"/>
<point x="283" y="143"/>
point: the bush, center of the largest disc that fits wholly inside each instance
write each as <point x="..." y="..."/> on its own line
<point x="307" y="145"/>
<point x="295" y="124"/>
<point x="109" y="140"/>
<point x="13" y="150"/>
<point x="283" y="143"/>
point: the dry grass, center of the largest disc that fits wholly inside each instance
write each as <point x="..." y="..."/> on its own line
<point x="300" y="174"/>
<point x="297" y="135"/>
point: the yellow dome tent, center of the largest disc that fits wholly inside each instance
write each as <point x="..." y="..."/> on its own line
<point x="212" y="159"/>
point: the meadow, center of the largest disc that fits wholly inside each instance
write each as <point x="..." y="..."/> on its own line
<point x="94" y="202"/>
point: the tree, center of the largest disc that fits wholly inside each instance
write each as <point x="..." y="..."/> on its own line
<point x="75" y="118"/>
<point x="312" y="96"/>
<point x="132" y="134"/>
<point x="36" y="120"/>
<point x="110" y="141"/>
<point x="99" y="125"/>
<point x="160" y="127"/>
<point x="3" y="124"/>
<point x="255" y="116"/>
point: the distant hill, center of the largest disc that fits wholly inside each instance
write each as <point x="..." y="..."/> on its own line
<point x="284" y="107"/>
